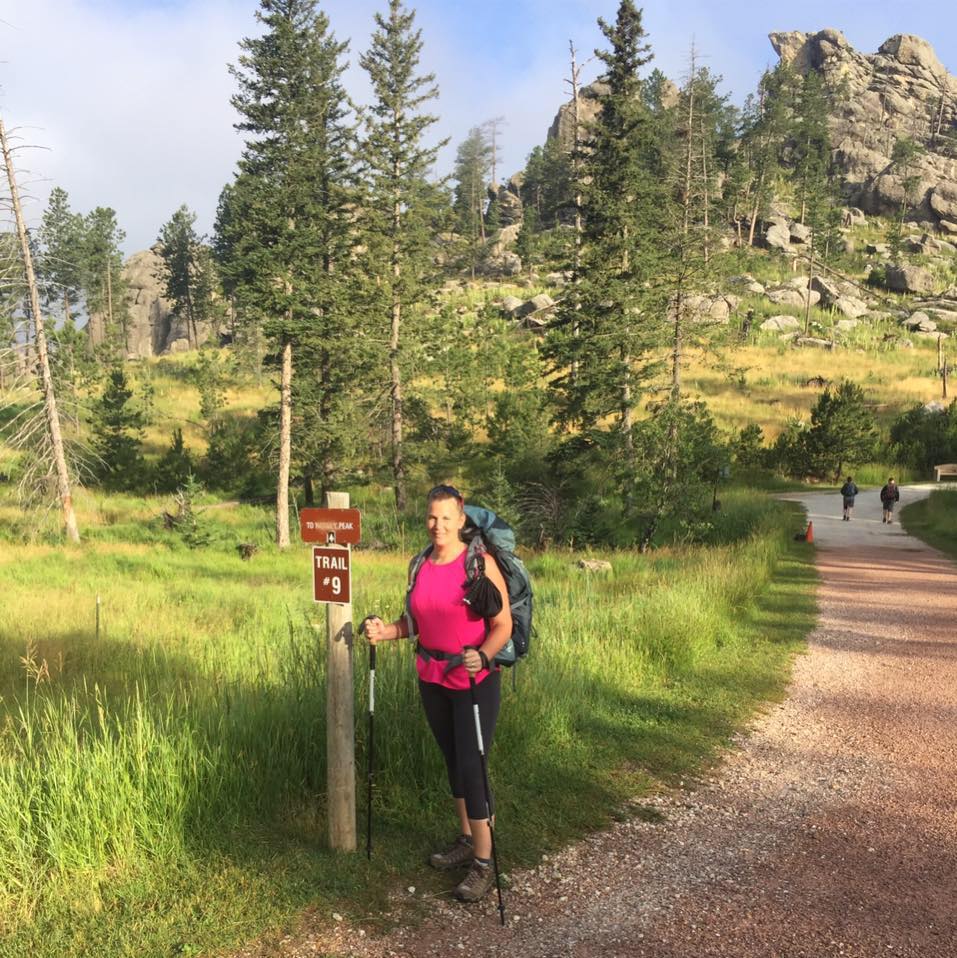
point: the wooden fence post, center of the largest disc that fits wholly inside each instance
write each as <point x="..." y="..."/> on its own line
<point x="340" y="722"/>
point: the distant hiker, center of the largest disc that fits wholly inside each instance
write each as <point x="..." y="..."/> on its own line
<point x="454" y="644"/>
<point x="848" y="491"/>
<point x="890" y="494"/>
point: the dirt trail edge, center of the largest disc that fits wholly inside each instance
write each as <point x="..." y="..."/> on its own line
<point x="831" y="831"/>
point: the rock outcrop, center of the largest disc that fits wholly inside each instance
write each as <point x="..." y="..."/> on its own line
<point x="153" y="328"/>
<point x="563" y="126"/>
<point x="903" y="90"/>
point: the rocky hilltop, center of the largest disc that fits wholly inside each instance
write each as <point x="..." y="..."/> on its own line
<point x="903" y="90"/>
<point x="152" y="328"/>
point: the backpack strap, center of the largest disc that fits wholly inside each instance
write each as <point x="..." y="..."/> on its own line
<point x="414" y="566"/>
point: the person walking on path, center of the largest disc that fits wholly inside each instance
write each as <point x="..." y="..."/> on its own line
<point x="454" y="645"/>
<point x="890" y="495"/>
<point x="848" y="491"/>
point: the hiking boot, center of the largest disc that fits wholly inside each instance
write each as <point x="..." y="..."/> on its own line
<point x="458" y="853"/>
<point x="476" y="883"/>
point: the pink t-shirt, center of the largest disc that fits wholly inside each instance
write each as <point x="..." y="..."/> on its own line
<point x="445" y="622"/>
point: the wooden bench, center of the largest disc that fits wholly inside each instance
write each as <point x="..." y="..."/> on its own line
<point x="948" y="469"/>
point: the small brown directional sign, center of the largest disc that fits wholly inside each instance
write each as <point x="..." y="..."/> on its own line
<point x="331" y="574"/>
<point x="342" y="526"/>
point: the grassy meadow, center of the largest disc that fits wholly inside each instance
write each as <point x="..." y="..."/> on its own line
<point x="162" y="779"/>
<point x="161" y="785"/>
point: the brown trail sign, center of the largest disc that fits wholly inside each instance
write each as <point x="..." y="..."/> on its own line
<point x="331" y="574"/>
<point x="342" y="526"/>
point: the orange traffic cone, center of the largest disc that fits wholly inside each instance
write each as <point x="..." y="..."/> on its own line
<point x="810" y="532"/>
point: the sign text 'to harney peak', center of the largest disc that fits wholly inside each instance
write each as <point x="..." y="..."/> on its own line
<point x="342" y="526"/>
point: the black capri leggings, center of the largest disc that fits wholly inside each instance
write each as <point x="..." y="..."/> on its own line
<point x="449" y="714"/>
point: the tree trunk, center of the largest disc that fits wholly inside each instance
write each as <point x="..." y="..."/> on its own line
<point x="707" y="196"/>
<point x="576" y="174"/>
<point x="807" y="292"/>
<point x="398" y="465"/>
<point x="53" y="419"/>
<point x="193" y="344"/>
<point x="285" y="447"/>
<point x="627" y="412"/>
<point x="109" y="297"/>
<point x="754" y="212"/>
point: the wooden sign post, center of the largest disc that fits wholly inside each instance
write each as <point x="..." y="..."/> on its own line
<point x="331" y="585"/>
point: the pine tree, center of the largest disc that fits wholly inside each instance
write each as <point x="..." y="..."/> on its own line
<point x="186" y="272"/>
<point x="117" y="434"/>
<point x="104" y="287"/>
<point x="292" y="216"/>
<point x="765" y="139"/>
<point x="617" y="321"/>
<point x="814" y="176"/>
<point x="904" y="159"/>
<point x="547" y="184"/>
<point x="59" y="267"/>
<point x="473" y="161"/>
<point x="691" y="133"/>
<point x="228" y="237"/>
<point x="842" y="431"/>
<point x="400" y="200"/>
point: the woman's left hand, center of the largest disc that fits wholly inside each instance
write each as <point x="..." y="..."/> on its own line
<point x="472" y="661"/>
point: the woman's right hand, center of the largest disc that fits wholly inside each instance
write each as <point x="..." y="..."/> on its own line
<point x="375" y="629"/>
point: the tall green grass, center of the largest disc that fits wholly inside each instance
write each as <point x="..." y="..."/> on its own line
<point x="162" y="787"/>
<point x="934" y="520"/>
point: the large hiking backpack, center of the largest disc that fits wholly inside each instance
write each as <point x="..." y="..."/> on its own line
<point x="487" y="533"/>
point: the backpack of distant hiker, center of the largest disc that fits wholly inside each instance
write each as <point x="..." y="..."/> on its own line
<point x="487" y="534"/>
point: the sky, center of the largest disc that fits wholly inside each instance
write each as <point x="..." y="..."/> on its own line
<point x="126" y="103"/>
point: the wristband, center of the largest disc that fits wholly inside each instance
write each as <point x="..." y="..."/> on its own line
<point x="484" y="659"/>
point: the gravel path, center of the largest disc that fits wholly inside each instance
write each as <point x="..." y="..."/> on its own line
<point x="830" y="831"/>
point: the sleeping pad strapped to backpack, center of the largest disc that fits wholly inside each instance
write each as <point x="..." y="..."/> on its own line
<point x="486" y="533"/>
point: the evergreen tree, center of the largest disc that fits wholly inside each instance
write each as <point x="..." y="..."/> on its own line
<point x="117" y="434"/>
<point x="59" y="265"/>
<point x="597" y="350"/>
<point x="400" y="201"/>
<point x="291" y="224"/>
<point x="547" y="185"/>
<point x="814" y="176"/>
<point x="104" y="288"/>
<point x="904" y="159"/>
<point x="842" y="433"/>
<point x="175" y="467"/>
<point x="472" y="164"/>
<point x="691" y="129"/>
<point x="765" y="138"/>
<point x="228" y="235"/>
<point x="187" y="272"/>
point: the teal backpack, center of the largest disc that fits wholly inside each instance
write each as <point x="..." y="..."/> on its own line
<point x="487" y="533"/>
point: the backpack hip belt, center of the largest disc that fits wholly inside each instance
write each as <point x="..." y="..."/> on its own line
<point x="451" y="659"/>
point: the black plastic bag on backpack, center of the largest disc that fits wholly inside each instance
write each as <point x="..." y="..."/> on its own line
<point x="483" y="597"/>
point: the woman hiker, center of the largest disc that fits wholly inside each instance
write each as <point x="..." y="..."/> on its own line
<point x="848" y="491"/>
<point x="890" y="495"/>
<point x="455" y="645"/>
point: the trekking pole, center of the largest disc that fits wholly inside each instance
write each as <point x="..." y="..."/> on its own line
<point x="488" y="795"/>
<point x="371" y="743"/>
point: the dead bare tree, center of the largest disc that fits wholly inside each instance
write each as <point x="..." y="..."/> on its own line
<point x="49" y="399"/>
<point x="493" y="126"/>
